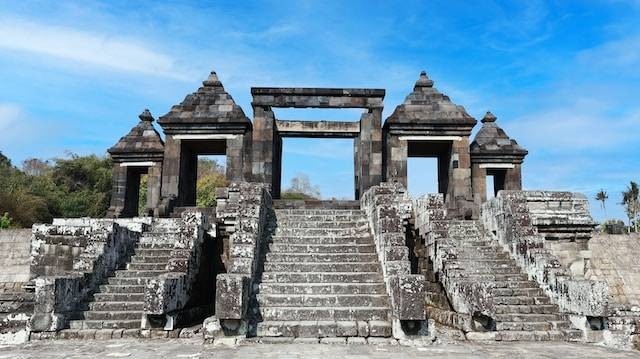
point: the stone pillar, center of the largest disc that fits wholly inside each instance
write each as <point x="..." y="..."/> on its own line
<point x="247" y="139"/>
<point x="357" y="173"/>
<point x="479" y="183"/>
<point x="154" y="184"/>
<point x="235" y="158"/>
<point x="396" y="159"/>
<point x="118" y="193"/>
<point x="459" y="199"/>
<point x="513" y="178"/>
<point x="263" y="144"/>
<point x="171" y="167"/>
<point x="369" y="152"/>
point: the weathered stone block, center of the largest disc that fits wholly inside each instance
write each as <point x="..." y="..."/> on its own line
<point x="231" y="295"/>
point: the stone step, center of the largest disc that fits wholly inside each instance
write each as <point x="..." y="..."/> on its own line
<point x="482" y="269"/>
<point x="485" y="262"/>
<point x="324" y="218"/>
<point x="528" y="318"/>
<point x="122" y="306"/>
<point x="518" y="292"/>
<point x="494" y="277"/>
<point x="128" y="281"/>
<point x="119" y="297"/>
<point x="322" y="248"/>
<point x="105" y="324"/>
<point x="139" y="273"/>
<point x="153" y="252"/>
<point x="322" y="277"/>
<point x="322" y="288"/>
<point x="473" y="256"/>
<point x="322" y="267"/>
<point x="113" y="315"/>
<point x="324" y="329"/>
<point x="318" y="313"/>
<point x="520" y="300"/>
<point x="323" y="300"/>
<point x="321" y="240"/>
<point x="121" y="289"/>
<point x="146" y="266"/>
<point x="320" y="212"/>
<point x="527" y="309"/>
<point x="150" y="259"/>
<point x="331" y="232"/>
<point x="152" y="244"/>
<point x="321" y="257"/>
<point x="546" y="335"/>
<point x="535" y="326"/>
<point x="304" y="223"/>
<point x="512" y="284"/>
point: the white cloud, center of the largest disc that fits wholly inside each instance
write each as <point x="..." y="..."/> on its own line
<point x="574" y="129"/>
<point x="86" y="48"/>
<point x="9" y="116"/>
<point x="614" y="55"/>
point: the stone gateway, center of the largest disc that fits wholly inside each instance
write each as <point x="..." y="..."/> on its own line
<point x="383" y="268"/>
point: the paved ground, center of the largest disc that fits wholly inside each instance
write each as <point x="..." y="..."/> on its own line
<point x="173" y="348"/>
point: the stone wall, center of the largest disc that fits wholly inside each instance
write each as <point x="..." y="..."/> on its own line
<point x="389" y="208"/>
<point x="615" y="259"/>
<point x="15" y="250"/>
<point x="564" y="220"/>
<point x="88" y="254"/>
<point x="169" y="293"/>
<point x="242" y="210"/>
<point x="509" y="218"/>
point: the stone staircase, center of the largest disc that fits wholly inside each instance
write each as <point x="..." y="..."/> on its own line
<point x="119" y="303"/>
<point x="519" y="308"/>
<point x="322" y="277"/>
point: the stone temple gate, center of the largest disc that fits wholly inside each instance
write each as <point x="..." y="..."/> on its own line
<point x="384" y="268"/>
<point x="209" y="122"/>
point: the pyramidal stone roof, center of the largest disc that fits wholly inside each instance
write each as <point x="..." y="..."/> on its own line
<point x="491" y="140"/>
<point x="426" y="106"/>
<point x="143" y="141"/>
<point x="211" y="107"/>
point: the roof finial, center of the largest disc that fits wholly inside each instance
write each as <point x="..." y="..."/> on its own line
<point x="488" y="117"/>
<point x="146" y="116"/>
<point x="212" y="80"/>
<point x="424" y="80"/>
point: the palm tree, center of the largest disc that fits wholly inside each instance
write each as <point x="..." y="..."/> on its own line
<point x="602" y="197"/>
<point x="631" y="202"/>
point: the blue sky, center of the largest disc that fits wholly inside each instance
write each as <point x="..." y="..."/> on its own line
<point x="562" y="77"/>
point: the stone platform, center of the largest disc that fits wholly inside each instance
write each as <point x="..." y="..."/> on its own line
<point x="178" y="348"/>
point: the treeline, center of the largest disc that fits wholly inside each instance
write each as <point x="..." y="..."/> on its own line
<point x="64" y="187"/>
<point x="75" y="186"/>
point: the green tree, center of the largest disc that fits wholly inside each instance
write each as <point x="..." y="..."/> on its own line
<point x="4" y="161"/>
<point x="206" y="189"/>
<point x="602" y="197"/>
<point x="85" y="183"/>
<point x="5" y="221"/>
<point x="300" y="187"/>
<point x="631" y="202"/>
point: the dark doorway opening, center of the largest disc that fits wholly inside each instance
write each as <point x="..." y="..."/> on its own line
<point x="440" y="151"/>
<point x="191" y="149"/>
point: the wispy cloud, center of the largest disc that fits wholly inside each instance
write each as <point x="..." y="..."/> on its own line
<point x="614" y="55"/>
<point x="87" y="48"/>
<point x="574" y="129"/>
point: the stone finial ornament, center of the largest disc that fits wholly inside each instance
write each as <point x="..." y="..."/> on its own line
<point x="488" y="117"/>
<point x="212" y="80"/>
<point x="146" y="116"/>
<point x="424" y="80"/>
